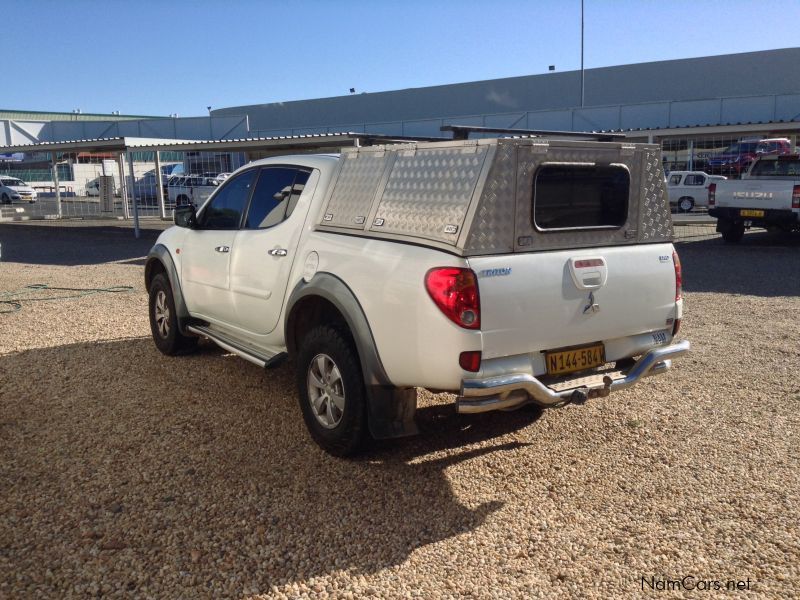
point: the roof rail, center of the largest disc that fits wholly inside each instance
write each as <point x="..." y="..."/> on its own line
<point x="461" y="132"/>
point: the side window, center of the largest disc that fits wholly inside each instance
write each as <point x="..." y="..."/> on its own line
<point x="275" y="196"/>
<point x="675" y="179"/>
<point x="694" y="180"/>
<point x="225" y="209"/>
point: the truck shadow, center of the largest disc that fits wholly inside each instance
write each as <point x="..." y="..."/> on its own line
<point x="68" y="245"/>
<point x="199" y="468"/>
<point x="763" y="264"/>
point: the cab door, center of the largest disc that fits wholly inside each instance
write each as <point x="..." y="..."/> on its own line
<point x="265" y="248"/>
<point x="206" y="251"/>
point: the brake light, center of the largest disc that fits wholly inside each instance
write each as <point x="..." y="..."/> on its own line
<point x="796" y="196"/>
<point x="676" y="261"/>
<point x="712" y="194"/>
<point x="455" y="292"/>
<point x="470" y="361"/>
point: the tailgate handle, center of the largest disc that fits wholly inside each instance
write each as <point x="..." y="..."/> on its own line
<point x="588" y="272"/>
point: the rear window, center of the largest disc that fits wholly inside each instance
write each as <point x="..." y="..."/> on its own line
<point x="780" y="167"/>
<point x="580" y="196"/>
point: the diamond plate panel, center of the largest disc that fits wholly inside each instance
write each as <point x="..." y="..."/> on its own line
<point x="492" y="227"/>
<point x="354" y="190"/>
<point x="429" y="191"/>
<point x="655" y="224"/>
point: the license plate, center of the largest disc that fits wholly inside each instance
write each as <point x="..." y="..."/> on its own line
<point x="576" y="359"/>
<point x="751" y="213"/>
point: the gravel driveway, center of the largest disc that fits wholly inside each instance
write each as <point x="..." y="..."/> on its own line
<point x="127" y="473"/>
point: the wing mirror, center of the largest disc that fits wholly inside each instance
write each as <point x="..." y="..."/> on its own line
<point x="185" y="216"/>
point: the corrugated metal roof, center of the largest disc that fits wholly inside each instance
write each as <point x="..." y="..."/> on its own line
<point x="122" y="144"/>
<point x="41" y="115"/>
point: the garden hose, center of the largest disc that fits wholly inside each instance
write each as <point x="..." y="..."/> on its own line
<point x="15" y="299"/>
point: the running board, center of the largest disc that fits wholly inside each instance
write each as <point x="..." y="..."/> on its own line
<point x="226" y="343"/>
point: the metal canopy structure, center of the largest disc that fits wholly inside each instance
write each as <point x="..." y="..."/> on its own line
<point x="282" y="143"/>
<point x="124" y="148"/>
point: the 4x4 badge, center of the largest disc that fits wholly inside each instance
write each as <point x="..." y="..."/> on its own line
<point x="592" y="306"/>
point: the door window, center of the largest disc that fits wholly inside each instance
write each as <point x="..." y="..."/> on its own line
<point x="694" y="180"/>
<point x="277" y="191"/>
<point x="225" y="209"/>
<point x="675" y="179"/>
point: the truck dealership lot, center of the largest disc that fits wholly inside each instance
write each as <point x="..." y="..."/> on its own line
<point x="129" y="473"/>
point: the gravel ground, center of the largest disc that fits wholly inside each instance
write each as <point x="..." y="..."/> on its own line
<point x="126" y="473"/>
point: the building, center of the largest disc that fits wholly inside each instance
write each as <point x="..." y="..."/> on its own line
<point x="694" y="107"/>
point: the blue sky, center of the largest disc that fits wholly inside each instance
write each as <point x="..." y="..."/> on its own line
<point x="146" y="57"/>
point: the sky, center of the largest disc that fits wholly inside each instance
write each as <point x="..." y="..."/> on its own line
<point x="145" y="57"/>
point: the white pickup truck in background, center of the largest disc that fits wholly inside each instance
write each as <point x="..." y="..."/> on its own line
<point x="689" y="189"/>
<point x="767" y="196"/>
<point x="507" y="271"/>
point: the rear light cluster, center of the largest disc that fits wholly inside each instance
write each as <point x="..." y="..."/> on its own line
<point x="676" y="261"/>
<point x="455" y="292"/>
<point x="712" y="194"/>
<point x="796" y="196"/>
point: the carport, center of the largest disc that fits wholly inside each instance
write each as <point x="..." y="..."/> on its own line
<point x="124" y="148"/>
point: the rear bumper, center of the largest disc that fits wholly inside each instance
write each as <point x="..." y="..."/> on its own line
<point x="771" y="216"/>
<point x="514" y="389"/>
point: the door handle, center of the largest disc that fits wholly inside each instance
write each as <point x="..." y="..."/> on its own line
<point x="223" y="249"/>
<point x="277" y="252"/>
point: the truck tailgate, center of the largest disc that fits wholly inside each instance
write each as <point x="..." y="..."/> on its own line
<point x="755" y="193"/>
<point x="540" y="301"/>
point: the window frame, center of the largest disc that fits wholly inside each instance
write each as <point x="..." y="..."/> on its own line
<point x="586" y="165"/>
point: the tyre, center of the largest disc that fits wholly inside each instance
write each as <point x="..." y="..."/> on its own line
<point x="734" y="233"/>
<point x="331" y="390"/>
<point x="164" y="319"/>
<point x="6" y="199"/>
<point x="686" y="204"/>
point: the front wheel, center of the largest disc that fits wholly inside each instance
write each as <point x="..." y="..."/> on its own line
<point x="331" y="390"/>
<point x="6" y="199"/>
<point x="164" y="319"/>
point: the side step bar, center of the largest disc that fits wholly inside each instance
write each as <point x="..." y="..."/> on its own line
<point x="262" y="360"/>
<point x="515" y="389"/>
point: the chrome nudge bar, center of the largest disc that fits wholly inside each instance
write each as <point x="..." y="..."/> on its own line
<point x="514" y="389"/>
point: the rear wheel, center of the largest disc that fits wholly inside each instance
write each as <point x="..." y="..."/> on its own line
<point x="686" y="204"/>
<point x="734" y="233"/>
<point x="331" y="390"/>
<point x="6" y="199"/>
<point x="164" y="319"/>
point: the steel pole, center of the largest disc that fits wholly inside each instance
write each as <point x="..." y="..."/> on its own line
<point x="133" y="196"/>
<point x="160" y="186"/>
<point x="582" y="79"/>
<point x="56" y="182"/>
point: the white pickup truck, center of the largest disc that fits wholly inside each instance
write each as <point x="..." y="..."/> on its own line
<point x="505" y="270"/>
<point x="767" y="196"/>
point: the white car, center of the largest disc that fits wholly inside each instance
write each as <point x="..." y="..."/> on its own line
<point x="190" y="189"/>
<point x="12" y="189"/>
<point x="689" y="189"/>
<point x="498" y="269"/>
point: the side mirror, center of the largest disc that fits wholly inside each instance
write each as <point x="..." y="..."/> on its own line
<point x="185" y="216"/>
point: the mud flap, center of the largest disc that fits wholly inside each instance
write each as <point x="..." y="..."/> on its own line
<point x="391" y="411"/>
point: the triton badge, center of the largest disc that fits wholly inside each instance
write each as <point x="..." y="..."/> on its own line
<point x="592" y="307"/>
